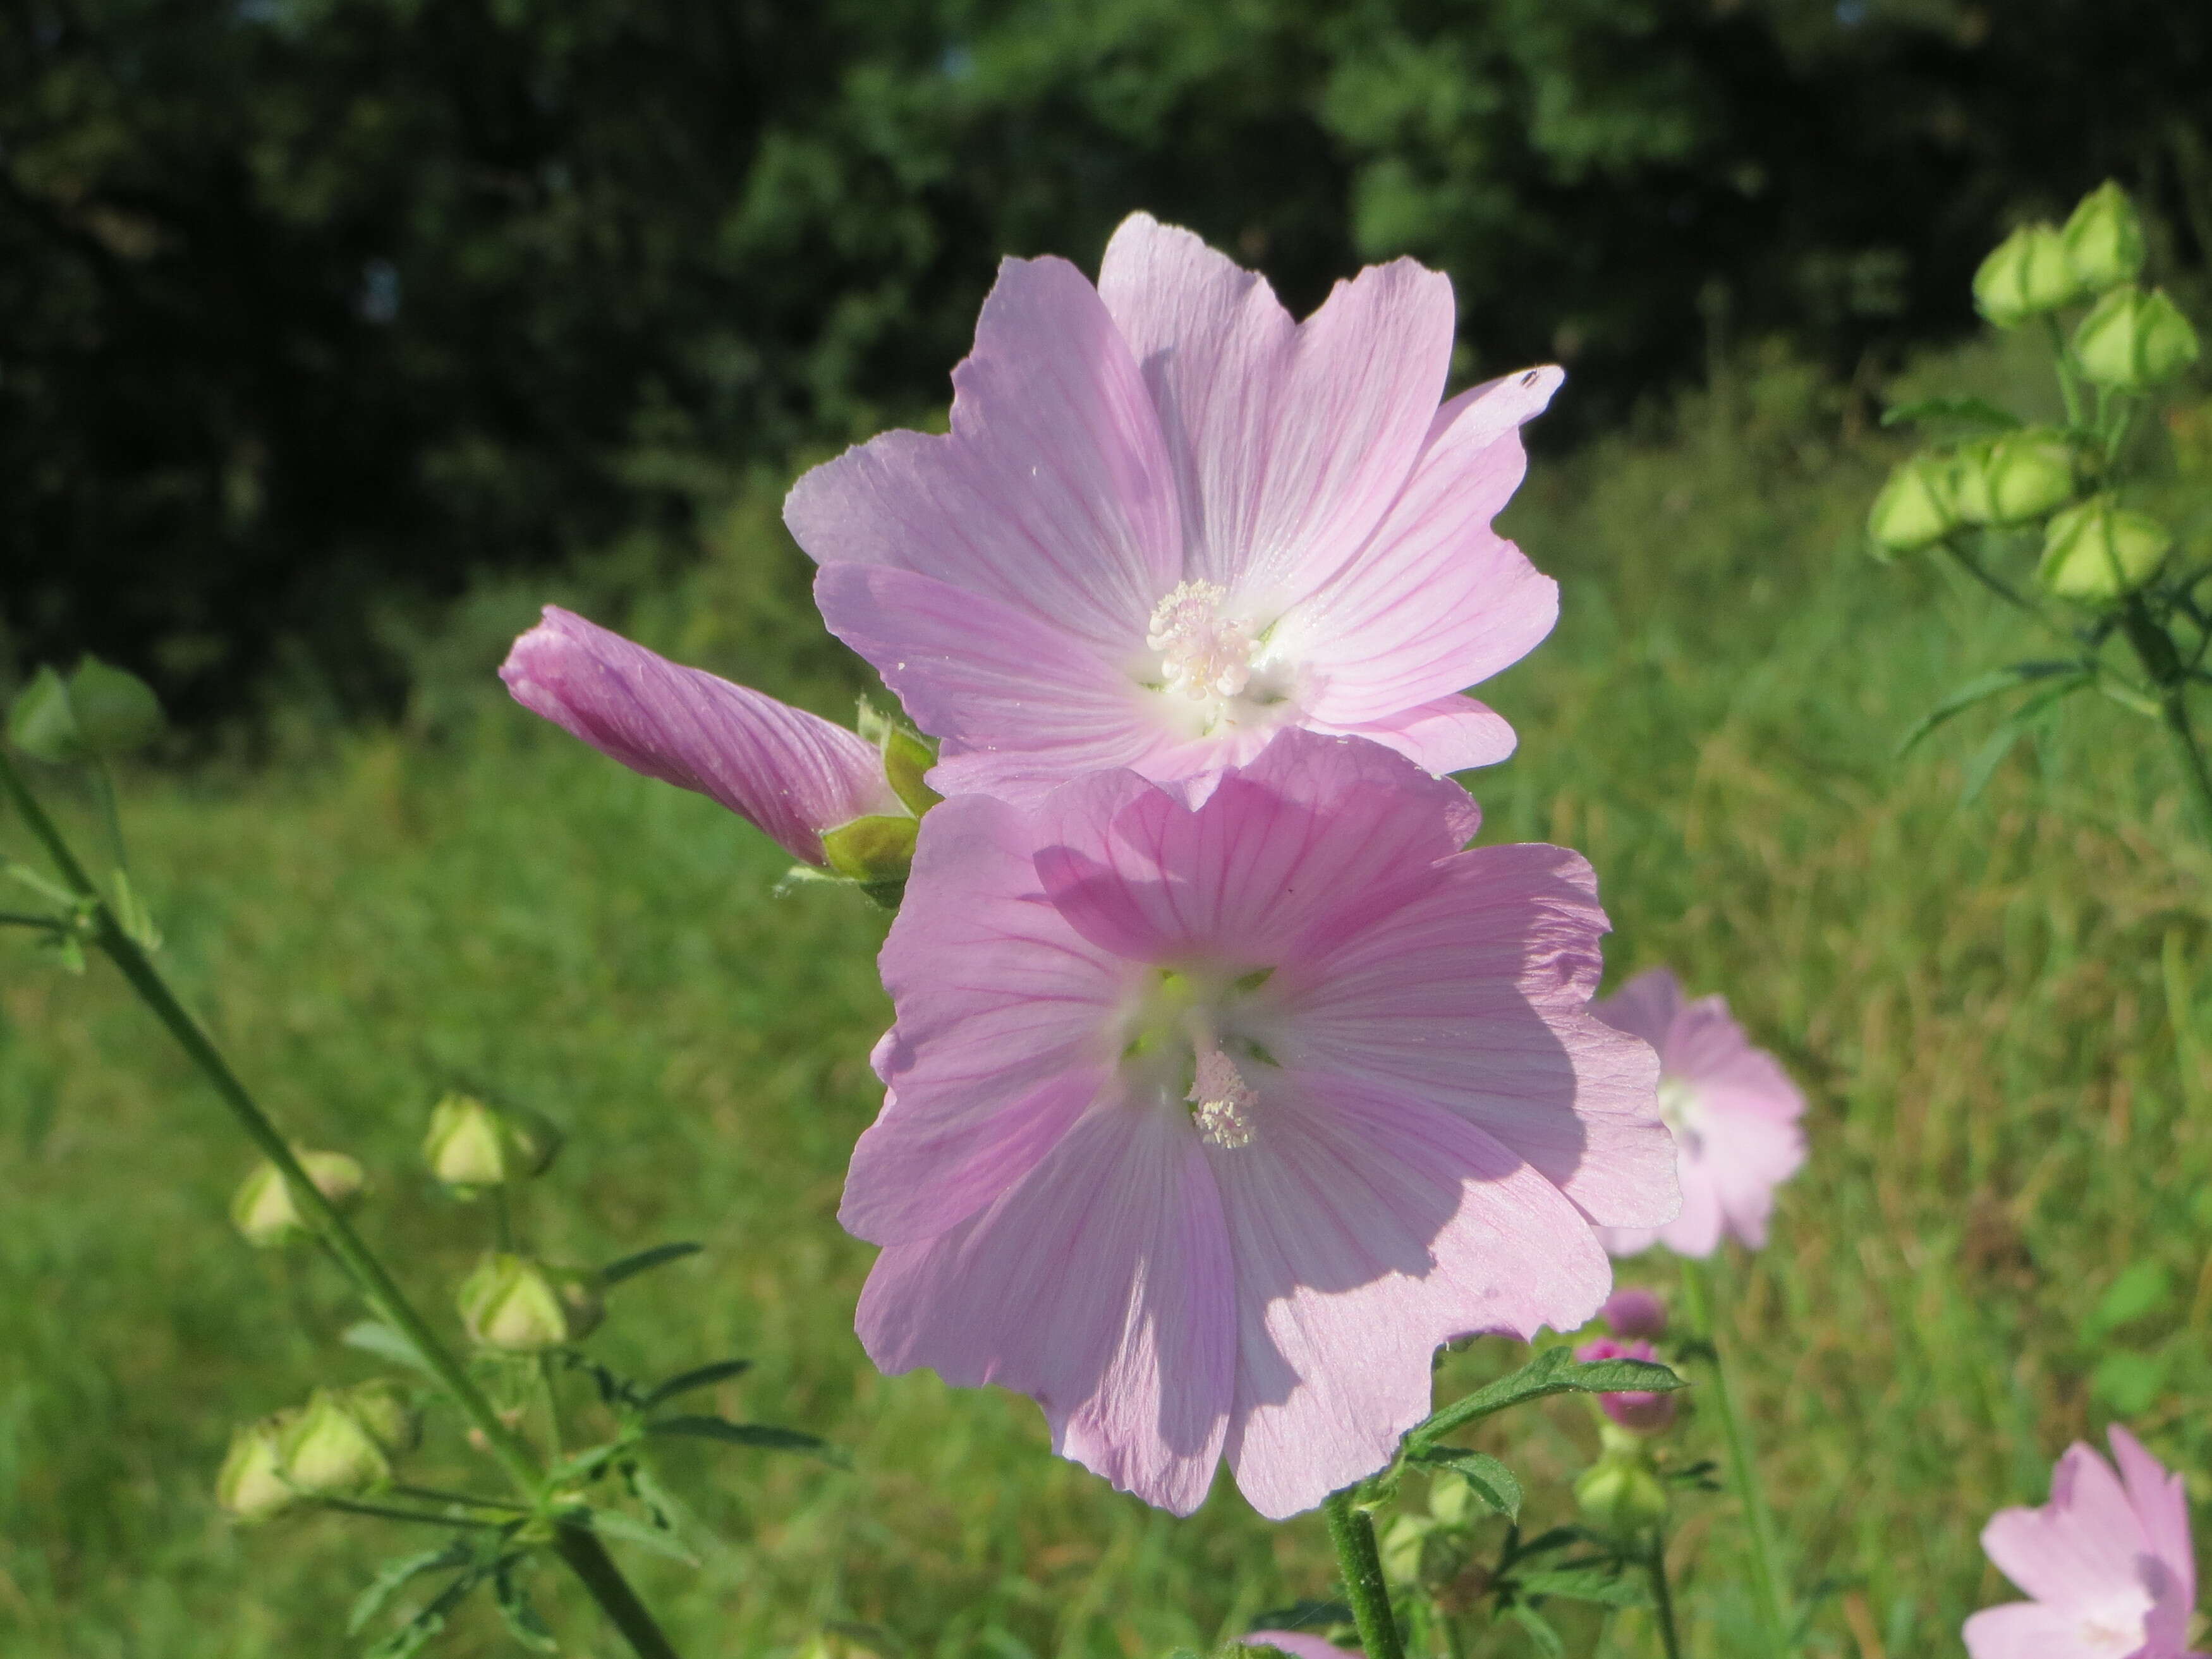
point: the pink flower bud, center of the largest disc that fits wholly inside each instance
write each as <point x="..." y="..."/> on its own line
<point x="1634" y="1312"/>
<point x="1636" y="1409"/>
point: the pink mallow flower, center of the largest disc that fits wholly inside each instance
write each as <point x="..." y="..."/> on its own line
<point x="1299" y="1645"/>
<point x="1632" y="1408"/>
<point x="1170" y="521"/>
<point x="792" y="773"/>
<point x="2107" y="1561"/>
<point x="1206" y="1123"/>
<point x="1733" y="1109"/>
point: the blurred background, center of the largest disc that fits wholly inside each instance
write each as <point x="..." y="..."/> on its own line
<point x="335" y="335"/>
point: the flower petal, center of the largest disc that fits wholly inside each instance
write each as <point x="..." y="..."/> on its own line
<point x="792" y="773"/>
<point x="2160" y="1502"/>
<point x="1644" y="1007"/>
<point x="1100" y="1285"/>
<point x="1369" y="1229"/>
<point x="1003" y="1033"/>
<point x="1448" y="735"/>
<point x="2080" y="1549"/>
<point x="2026" y="1630"/>
<point x="1053" y="493"/>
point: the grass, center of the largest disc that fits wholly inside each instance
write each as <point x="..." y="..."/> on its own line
<point x="1997" y="1008"/>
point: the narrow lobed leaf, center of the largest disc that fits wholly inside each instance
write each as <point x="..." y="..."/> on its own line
<point x="761" y="1434"/>
<point x="720" y="1371"/>
<point x="645" y="1261"/>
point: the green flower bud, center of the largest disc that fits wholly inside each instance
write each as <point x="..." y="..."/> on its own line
<point x="2105" y="240"/>
<point x="2026" y="276"/>
<point x="2131" y="340"/>
<point x="2100" y="552"/>
<point x="1621" y="1494"/>
<point x="1970" y="483"/>
<point x="516" y="1305"/>
<point x="2025" y="475"/>
<point x="328" y="1452"/>
<point x="1915" y="508"/>
<point x="388" y="1411"/>
<point x="263" y="1209"/>
<point x="876" y="851"/>
<point x="1410" y="1547"/>
<point x="1451" y="1500"/>
<point x="906" y="758"/>
<point x="252" y="1484"/>
<point x="97" y="713"/>
<point x="472" y="1145"/>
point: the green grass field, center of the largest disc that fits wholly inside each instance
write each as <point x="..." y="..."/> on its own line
<point x="1994" y="1008"/>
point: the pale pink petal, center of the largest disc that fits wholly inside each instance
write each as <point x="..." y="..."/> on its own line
<point x="1101" y="1286"/>
<point x="2160" y="1502"/>
<point x="1053" y="493"/>
<point x="1448" y="735"/>
<point x="792" y="773"/>
<point x="1474" y="999"/>
<point x="2080" y="1548"/>
<point x="1644" y="1007"/>
<point x="1299" y="1644"/>
<point x="1003" y="1038"/>
<point x="1289" y="445"/>
<point x="1746" y="1157"/>
<point x="1627" y="1241"/>
<point x="1436" y="601"/>
<point x="1696" y="1232"/>
<point x="1368" y="1229"/>
<point x="2027" y="1630"/>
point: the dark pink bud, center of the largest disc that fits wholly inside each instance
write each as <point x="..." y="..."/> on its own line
<point x="1636" y="1409"/>
<point x="1633" y="1313"/>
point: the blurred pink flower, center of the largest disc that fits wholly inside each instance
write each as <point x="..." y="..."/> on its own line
<point x="1206" y="1123"/>
<point x="1733" y="1109"/>
<point x="2107" y="1560"/>
<point x="791" y="773"/>
<point x="1299" y="1645"/>
<point x="1170" y="521"/>
<point x="1634" y="1312"/>
<point x="1632" y="1408"/>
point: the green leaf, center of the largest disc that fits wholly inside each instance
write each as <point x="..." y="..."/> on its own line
<point x="1544" y="1639"/>
<point x="132" y="915"/>
<point x="1585" y="1584"/>
<point x="720" y="1371"/>
<point x="116" y="711"/>
<point x="373" y="1336"/>
<point x="644" y="1261"/>
<point x="1491" y="1480"/>
<point x="613" y="1523"/>
<point x="412" y="1637"/>
<point x="761" y="1434"/>
<point x="42" y="724"/>
<point x="1555" y="1371"/>
<point x="395" y="1574"/>
<point x="515" y="1612"/>
<point x="2129" y="1383"/>
<point x="1973" y="414"/>
<point x="1981" y="689"/>
<point x="2141" y="1289"/>
<point x="586" y="1464"/>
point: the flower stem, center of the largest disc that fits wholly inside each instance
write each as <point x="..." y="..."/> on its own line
<point x="2154" y="649"/>
<point x="1353" y="1534"/>
<point x="391" y="1512"/>
<point x="1662" y="1595"/>
<point x="378" y="1288"/>
<point x="1774" y="1612"/>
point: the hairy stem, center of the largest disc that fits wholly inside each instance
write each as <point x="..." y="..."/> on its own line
<point x="1662" y="1595"/>
<point x="1353" y="1534"/>
<point x="588" y="1560"/>
<point x="1774" y="1622"/>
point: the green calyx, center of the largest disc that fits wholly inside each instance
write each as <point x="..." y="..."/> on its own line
<point x="472" y="1145"/>
<point x="2100" y="552"/>
<point x="329" y="1452"/>
<point x="252" y="1485"/>
<point x="2103" y="240"/>
<point x="2015" y="479"/>
<point x="263" y="1208"/>
<point x="513" y="1304"/>
<point x="2025" y="276"/>
<point x="2132" y="341"/>
<point x="1915" y="509"/>
<point x="1621" y="1494"/>
<point x="877" y="851"/>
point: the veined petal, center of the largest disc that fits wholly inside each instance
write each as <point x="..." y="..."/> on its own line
<point x="792" y="773"/>
<point x="1052" y="494"/>
<point x="2160" y="1502"/>
<point x="2027" y="1630"/>
<point x="2079" y="1549"/>
<point x="1448" y="735"/>
<point x="1644" y="1007"/>
<point x="1101" y="1286"/>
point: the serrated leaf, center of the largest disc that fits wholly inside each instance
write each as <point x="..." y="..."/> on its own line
<point x="720" y="1371"/>
<point x="1981" y="689"/>
<point x="613" y="1523"/>
<point x="394" y="1575"/>
<point x="1540" y="1634"/>
<point x="644" y="1261"/>
<point x="515" y="1612"/>
<point x="1976" y="413"/>
<point x="1489" y="1480"/>
<point x="764" y="1436"/>
<point x="1583" y="1584"/>
<point x="373" y="1336"/>
<point x="1555" y="1371"/>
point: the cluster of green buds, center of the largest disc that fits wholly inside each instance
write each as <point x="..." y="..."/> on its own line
<point x="265" y="1211"/>
<point x="516" y="1304"/>
<point x="473" y="1146"/>
<point x="341" y="1444"/>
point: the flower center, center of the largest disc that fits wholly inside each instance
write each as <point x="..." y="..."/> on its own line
<point x="2116" y="1628"/>
<point x="1683" y="1114"/>
<point x="1180" y="1035"/>
<point x="1203" y="655"/>
<point x="1223" y="1101"/>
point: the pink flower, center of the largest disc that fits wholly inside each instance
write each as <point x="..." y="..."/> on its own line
<point x="1299" y="1644"/>
<point x="2107" y="1561"/>
<point x="792" y="773"/>
<point x="1634" y="1312"/>
<point x="1733" y="1109"/>
<point x="1632" y="1408"/>
<point x="1206" y="1123"/>
<point x="1170" y="521"/>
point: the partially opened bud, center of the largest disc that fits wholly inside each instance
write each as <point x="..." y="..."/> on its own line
<point x="472" y="1145"/>
<point x="2100" y="551"/>
<point x="1915" y="508"/>
<point x="1638" y="1410"/>
<point x="1634" y="1312"/>
<point x="329" y="1452"/>
<point x="2027" y="474"/>
<point x="2026" y="275"/>
<point x="2131" y="340"/>
<point x="252" y="1484"/>
<point x="516" y="1305"/>
<point x="2105" y="240"/>
<point x="388" y="1411"/>
<point x="263" y="1209"/>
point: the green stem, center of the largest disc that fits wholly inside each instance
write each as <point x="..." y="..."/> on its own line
<point x="432" y="1495"/>
<point x="1662" y="1595"/>
<point x="1743" y="1470"/>
<point x="23" y="919"/>
<point x="387" y="1512"/>
<point x="1353" y="1534"/>
<point x="2069" y="385"/>
<point x="553" y="1430"/>
<point x="104" y="787"/>
<point x="377" y="1287"/>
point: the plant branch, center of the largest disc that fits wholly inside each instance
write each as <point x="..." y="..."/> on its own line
<point x="2154" y="648"/>
<point x="1774" y="1621"/>
<point x="1662" y="1595"/>
<point x="1356" y="1559"/>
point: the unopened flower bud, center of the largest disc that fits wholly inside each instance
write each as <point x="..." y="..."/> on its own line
<point x="1621" y="1494"/>
<point x="1634" y="1312"/>
<point x="98" y="712"/>
<point x="1970" y="483"/>
<point x="263" y="1209"/>
<point x="1452" y="1501"/>
<point x="1915" y="508"/>
<point x="2100" y="551"/>
<point x="517" y="1305"/>
<point x="388" y="1411"/>
<point x="2026" y="275"/>
<point x="876" y="851"/>
<point x="2105" y="240"/>
<point x="1638" y="1410"/>
<point x="2131" y="340"/>
<point x="252" y="1484"/>
<point x="2025" y="475"/>
<point x="329" y="1452"/>
<point x="1415" y="1550"/>
<point x="472" y="1145"/>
